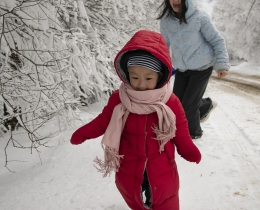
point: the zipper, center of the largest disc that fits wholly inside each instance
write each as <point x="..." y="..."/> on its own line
<point x="181" y="43"/>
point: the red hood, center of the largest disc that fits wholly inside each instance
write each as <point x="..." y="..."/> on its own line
<point x="150" y="41"/>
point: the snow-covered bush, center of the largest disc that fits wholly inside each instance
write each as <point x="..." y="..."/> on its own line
<point x="57" y="54"/>
<point x="239" y="22"/>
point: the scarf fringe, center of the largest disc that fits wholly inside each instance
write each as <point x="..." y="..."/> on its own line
<point x="164" y="136"/>
<point x="111" y="162"/>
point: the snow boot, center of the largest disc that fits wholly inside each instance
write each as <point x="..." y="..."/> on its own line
<point x="206" y="116"/>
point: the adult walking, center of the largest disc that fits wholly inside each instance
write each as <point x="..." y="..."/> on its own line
<point x="196" y="48"/>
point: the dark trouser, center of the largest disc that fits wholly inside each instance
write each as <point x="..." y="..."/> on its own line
<point x="190" y="86"/>
<point x="146" y="189"/>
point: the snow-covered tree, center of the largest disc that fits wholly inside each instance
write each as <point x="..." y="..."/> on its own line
<point x="58" y="54"/>
<point x="239" y="22"/>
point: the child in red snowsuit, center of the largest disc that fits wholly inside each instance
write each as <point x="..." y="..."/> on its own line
<point x="143" y="122"/>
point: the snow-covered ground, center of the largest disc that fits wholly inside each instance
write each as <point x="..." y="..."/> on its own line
<point x="227" y="178"/>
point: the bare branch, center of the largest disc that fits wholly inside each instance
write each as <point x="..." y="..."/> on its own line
<point x="249" y="11"/>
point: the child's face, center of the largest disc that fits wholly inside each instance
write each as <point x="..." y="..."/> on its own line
<point x="142" y="78"/>
<point x="176" y="5"/>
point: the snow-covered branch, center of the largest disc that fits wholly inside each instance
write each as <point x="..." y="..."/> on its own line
<point x="239" y="22"/>
<point x="57" y="55"/>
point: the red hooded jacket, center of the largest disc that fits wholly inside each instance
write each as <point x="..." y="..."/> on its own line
<point x="140" y="149"/>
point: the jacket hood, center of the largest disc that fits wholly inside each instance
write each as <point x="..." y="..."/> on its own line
<point x="192" y="6"/>
<point x="142" y="42"/>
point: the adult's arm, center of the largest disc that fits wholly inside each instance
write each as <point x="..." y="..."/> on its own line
<point x="216" y="40"/>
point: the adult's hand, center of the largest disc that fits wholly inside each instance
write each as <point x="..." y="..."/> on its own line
<point x="222" y="73"/>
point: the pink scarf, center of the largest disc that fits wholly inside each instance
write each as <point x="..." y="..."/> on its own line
<point x="138" y="102"/>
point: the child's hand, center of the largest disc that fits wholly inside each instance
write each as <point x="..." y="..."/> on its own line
<point x="222" y="73"/>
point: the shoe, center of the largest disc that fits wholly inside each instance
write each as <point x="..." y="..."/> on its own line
<point x="206" y="116"/>
<point x="196" y="137"/>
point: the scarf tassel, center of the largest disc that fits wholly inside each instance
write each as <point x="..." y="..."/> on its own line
<point x="164" y="136"/>
<point x="111" y="162"/>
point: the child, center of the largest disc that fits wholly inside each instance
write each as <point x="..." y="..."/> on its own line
<point x="142" y="124"/>
<point x="197" y="48"/>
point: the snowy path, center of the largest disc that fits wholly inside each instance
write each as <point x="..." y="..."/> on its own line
<point x="227" y="178"/>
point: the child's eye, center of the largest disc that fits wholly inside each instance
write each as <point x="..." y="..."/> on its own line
<point x="149" y="78"/>
<point x="134" y="78"/>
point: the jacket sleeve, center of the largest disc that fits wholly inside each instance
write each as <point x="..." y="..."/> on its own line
<point x="163" y="31"/>
<point x="214" y="38"/>
<point x="182" y="140"/>
<point x="98" y="126"/>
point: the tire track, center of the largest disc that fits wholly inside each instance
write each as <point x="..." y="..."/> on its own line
<point x="241" y="105"/>
<point x="236" y="141"/>
<point x="240" y="136"/>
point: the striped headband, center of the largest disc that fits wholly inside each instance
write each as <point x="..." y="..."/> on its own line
<point x="148" y="61"/>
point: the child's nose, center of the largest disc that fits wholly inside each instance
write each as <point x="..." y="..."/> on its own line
<point x="141" y="86"/>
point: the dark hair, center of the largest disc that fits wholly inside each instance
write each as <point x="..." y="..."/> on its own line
<point x="167" y="9"/>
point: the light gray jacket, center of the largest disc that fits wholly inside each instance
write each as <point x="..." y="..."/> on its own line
<point x="196" y="45"/>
